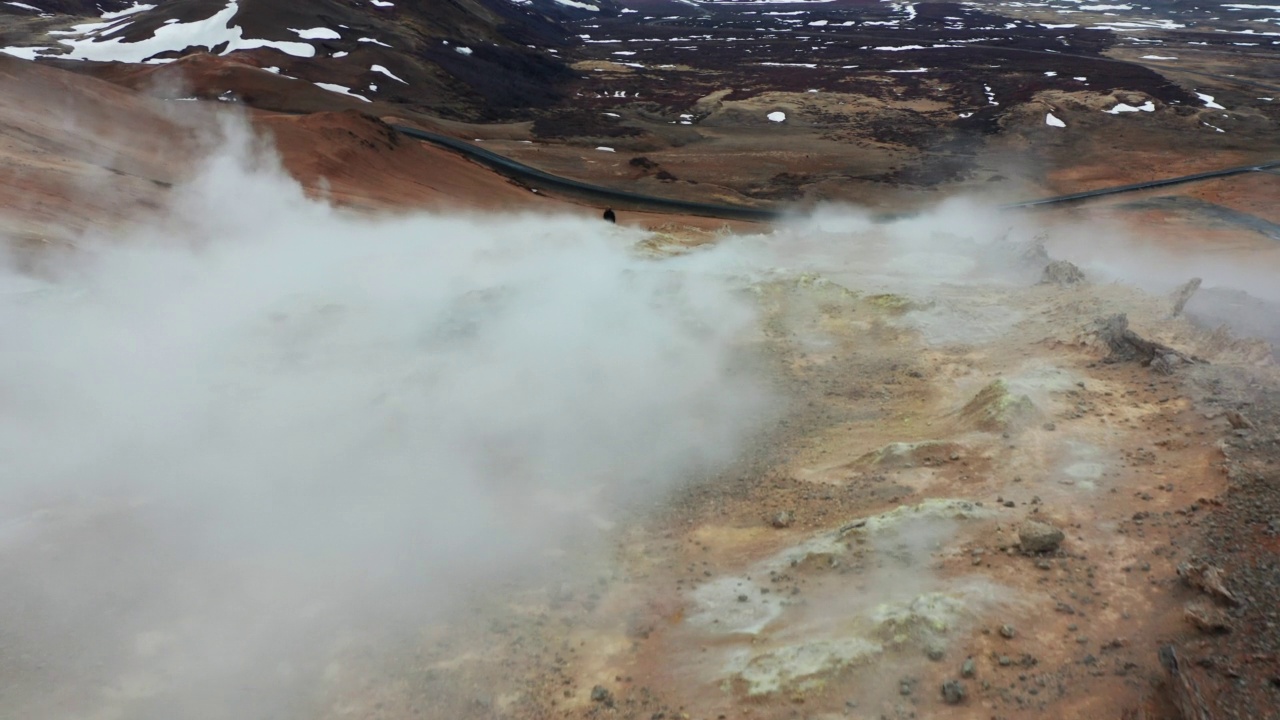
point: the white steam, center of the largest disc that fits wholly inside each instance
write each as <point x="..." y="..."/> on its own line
<point x="233" y="435"/>
<point x="229" y="435"/>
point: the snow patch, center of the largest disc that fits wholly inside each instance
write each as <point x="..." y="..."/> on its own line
<point x="602" y="148"/>
<point x="341" y="90"/>
<point x="320" y="33"/>
<point x="579" y="5"/>
<point x="1208" y="101"/>
<point x="1144" y="25"/>
<point x="26" y="53"/>
<point x="135" y="8"/>
<point x="777" y="116"/>
<point x="1052" y="121"/>
<point x="463" y="50"/>
<point x="1148" y="106"/>
<point x="207" y="33"/>
<point x="388" y="73"/>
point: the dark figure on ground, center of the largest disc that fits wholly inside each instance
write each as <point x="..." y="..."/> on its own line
<point x="609" y="216"/>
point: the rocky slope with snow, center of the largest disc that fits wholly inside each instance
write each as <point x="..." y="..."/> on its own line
<point x="467" y="59"/>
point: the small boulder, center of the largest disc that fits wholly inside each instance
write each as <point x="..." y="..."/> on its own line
<point x="781" y="520"/>
<point x="1036" y="536"/>
<point x="601" y="694"/>
<point x="1207" y="619"/>
<point x="1238" y="421"/>
<point x="1208" y="579"/>
<point x="1061" y="272"/>
<point x="953" y="692"/>
<point x="1183" y="294"/>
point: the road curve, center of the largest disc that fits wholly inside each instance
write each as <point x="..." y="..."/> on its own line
<point x="610" y="196"/>
<point x="535" y="177"/>
<point x="1148" y="185"/>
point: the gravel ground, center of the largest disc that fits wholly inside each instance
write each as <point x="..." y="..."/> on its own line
<point x="1238" y="671"/>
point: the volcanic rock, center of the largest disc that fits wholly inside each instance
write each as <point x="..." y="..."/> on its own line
<point x="1061" y="272"/>
<point x="1036" y="536"/>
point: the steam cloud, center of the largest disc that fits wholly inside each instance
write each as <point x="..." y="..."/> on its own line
<point x="233" y="431"/>
<point x="231" y="434"/>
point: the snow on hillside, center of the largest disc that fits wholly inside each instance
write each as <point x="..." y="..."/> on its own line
<point x="90" y="41"/>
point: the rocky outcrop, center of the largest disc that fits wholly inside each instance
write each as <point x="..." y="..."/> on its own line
<point x="1061" y="272"/>
<point x="996" y="409"/>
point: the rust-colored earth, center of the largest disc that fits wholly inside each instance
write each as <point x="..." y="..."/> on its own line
<point x="864" y="559"/>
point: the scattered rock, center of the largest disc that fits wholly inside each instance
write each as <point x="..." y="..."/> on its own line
<point x="1036" y="536"/>
<point x="1184" y="685"/>
<point x="602" y="695"/>
<point x="953" y="692"/>
<point x="1238" y="421"/>
<point x="1208" y="579"/>
<point x="1207" y="619"/>
<point x="782" y="519"/>
<point x="906" y="455"/>
<point x="1166" y="363"/>
<point x="643" y="163"/>
<point x="969" y="668"/>
<point x="1061" y="272"/>
<point x="1007" y="632"/>
<point x="1183" y="294"/>
<point x="1127" y="346"/>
